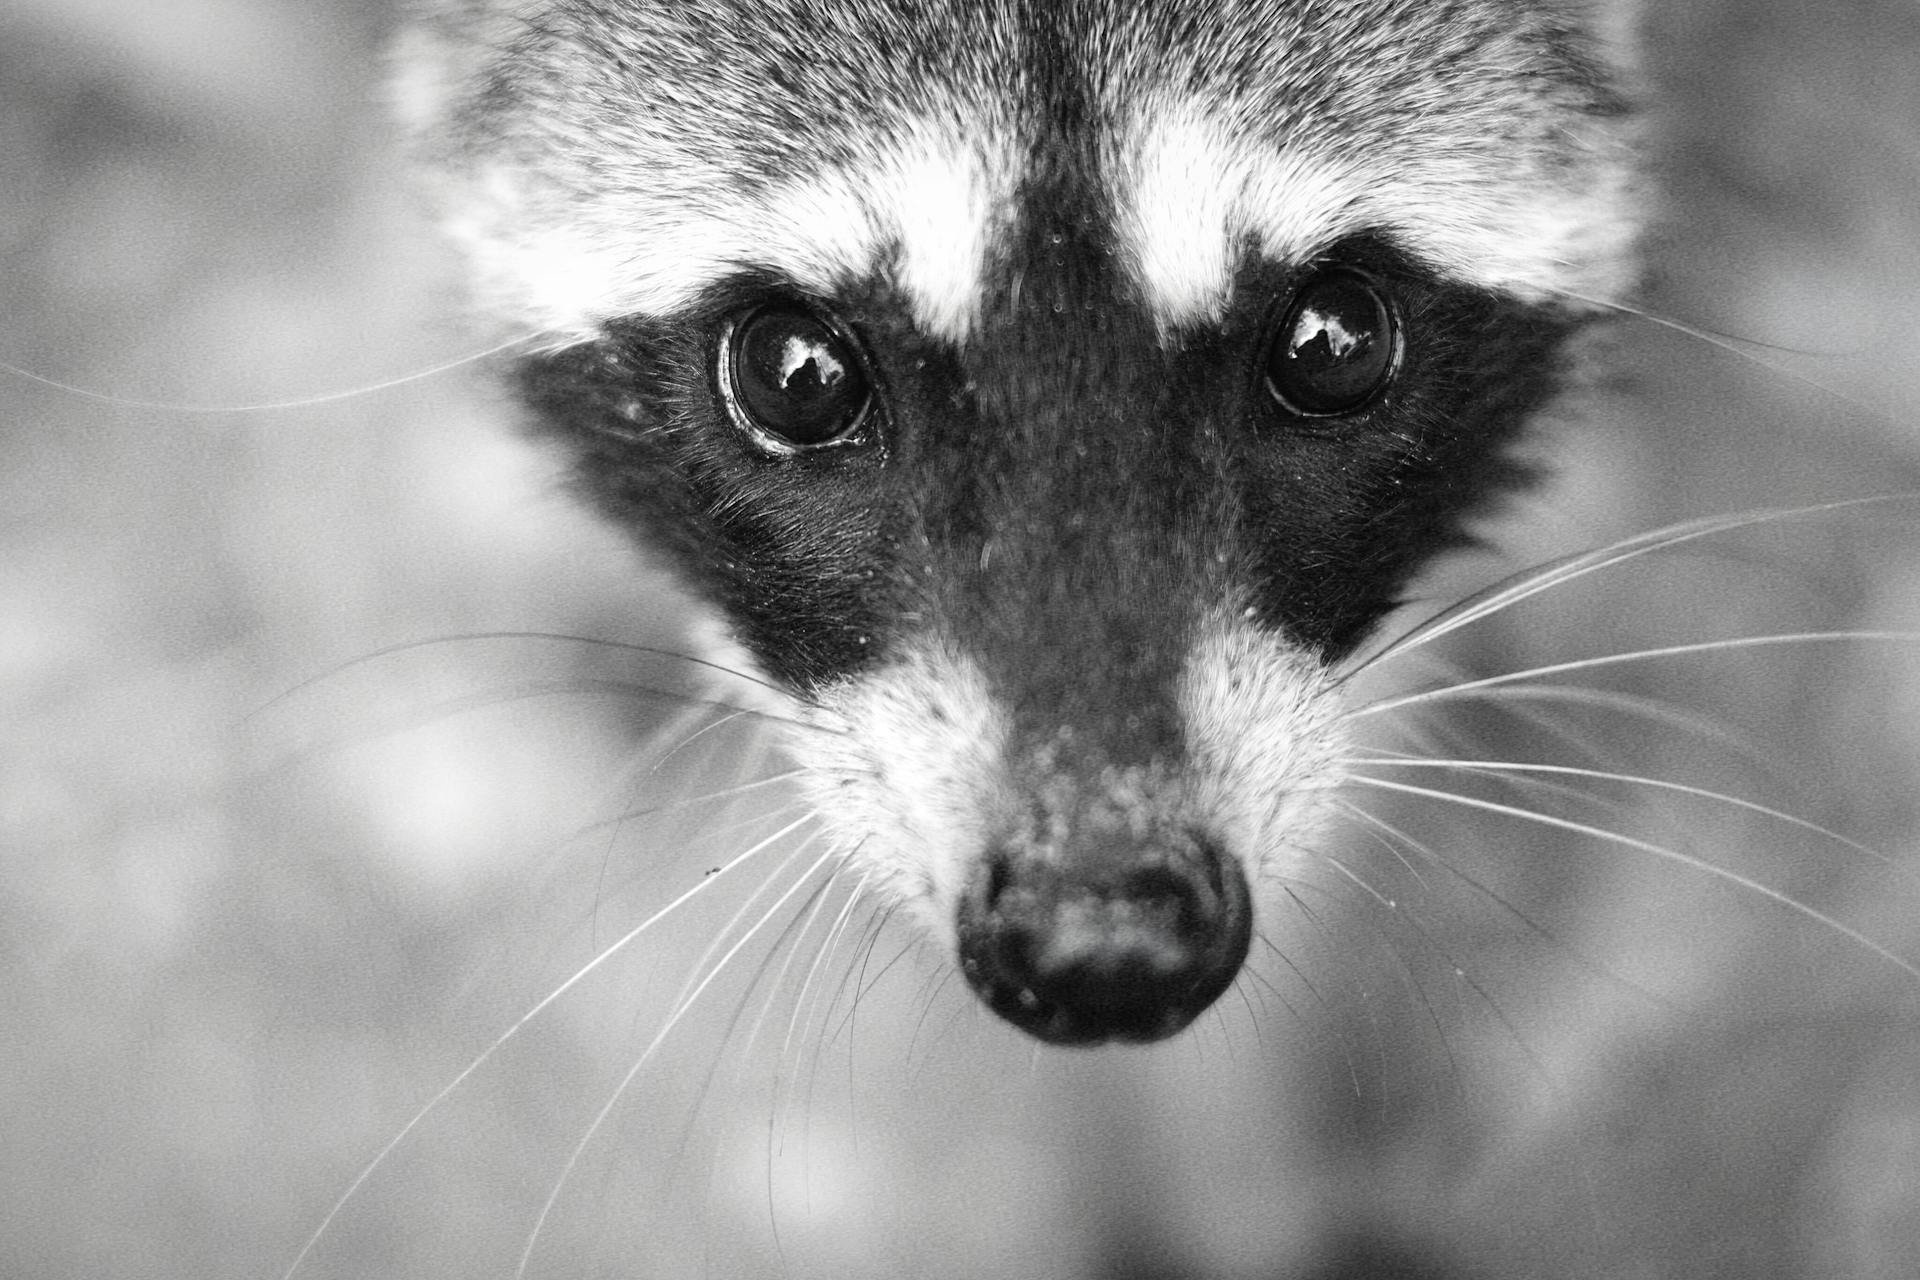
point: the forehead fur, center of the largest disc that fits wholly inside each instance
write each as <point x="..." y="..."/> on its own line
<point x="614" y="157"/>
<point x="1480" y="136"/>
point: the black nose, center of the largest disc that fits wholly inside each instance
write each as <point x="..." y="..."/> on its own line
<point x="1128" y="946"/>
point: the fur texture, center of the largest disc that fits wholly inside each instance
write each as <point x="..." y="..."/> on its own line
<point x="1058" y="243"/>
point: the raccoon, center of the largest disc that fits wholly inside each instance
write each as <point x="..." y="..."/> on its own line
<point x="1049" y="400"/>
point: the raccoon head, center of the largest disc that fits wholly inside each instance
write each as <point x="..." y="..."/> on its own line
<point x="1048" y="397"/>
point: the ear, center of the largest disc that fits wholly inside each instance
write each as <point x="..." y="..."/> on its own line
<point x="440" y="53"/>
<point x="1613" y="31"/>
<point x="1616" y="26"/>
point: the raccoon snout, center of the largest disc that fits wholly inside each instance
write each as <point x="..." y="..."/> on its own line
<point x="1132" y="949"/>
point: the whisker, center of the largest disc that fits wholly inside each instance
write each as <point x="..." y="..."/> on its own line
<point x="1253" y="1015"/>
<point x="1379" y="897"/>
<point x="1535" y="786"/>
<point x="835" y="934"/>
<point x="1657" y="784"/>
<point x="1361" y="997"/>
<point x="1543" y="577"/>
<point x="1388" y="836"/>
<point x="1732" y="644"/>
<point x="859" y="988"/>
<point x="810" y="913"/>
<point x="784" y="946"/>
<point x="1676" y="856"/>
<point x="558" y="637"/>
<point x="1743" y="348"/>
<point x="683" y="1003"/>
<point x="579" y="975"/>
<point x="268" y="406"/>
<point x="731" y="792"/>
<point x="708" y="835"/>
<point x="674" y="729"/>
<point x="1297" y="971"/>
<point x="695" y="980"/>
<point x="1272" y="988"/>
<point x="866" y="985"/>
<point x="1486" y="891"/>
<point x="1462" y="974"/>
<point x="574" y="687"/>
<point x="705" y="729"/>
<point x="1653" y="710"/>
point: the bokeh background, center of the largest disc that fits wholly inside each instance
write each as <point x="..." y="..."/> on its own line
<point x="273" y="872"/>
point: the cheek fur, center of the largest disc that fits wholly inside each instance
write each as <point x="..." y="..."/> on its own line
<point x="1265" y="738"/>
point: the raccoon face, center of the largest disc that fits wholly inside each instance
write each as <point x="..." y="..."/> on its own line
<point x="1048" y="399"/>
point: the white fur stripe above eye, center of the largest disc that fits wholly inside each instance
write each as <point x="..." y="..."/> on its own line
<point x="1193" y="198"/>
<point x="647" y="245"/>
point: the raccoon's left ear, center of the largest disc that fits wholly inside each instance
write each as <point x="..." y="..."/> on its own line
<point x="441" y="48"/>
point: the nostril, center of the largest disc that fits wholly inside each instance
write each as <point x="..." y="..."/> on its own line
<point x="1129" y="947"/>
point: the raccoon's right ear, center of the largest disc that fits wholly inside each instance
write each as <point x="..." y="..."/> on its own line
<point x="1615" y="29"/>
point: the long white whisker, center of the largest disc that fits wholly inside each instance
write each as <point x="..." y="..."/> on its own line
<point x="1361" y="999"/>
<point x="1483" y="889"/>
<point x="685" y="1003"/>
<point x="695" y="736"/>
<point x="1588" y="698"/>
<point x="809" y="995"/>
<point x="1732" y="644"/>
<point x="699" y="974"/>
<point x="1657" y="784"/>
<point x="675" y="728"/>
<point x="578" y="976"/>
<point x="1379" y="897"/>
<point x="713" y="832"/>
<point x="783" y="946"/>
<point x="490" y="699"/>
<point x="1539" y="785"/>
<point x="810" y="913"/>
<point x="558" y="637"/>
<point x="1659" y="851"/>
<point x="1462" y="974"/>
<point x="1740" y="347"/>
<point x="835" y="932"/>
<point x="1406" y="970"/>
<point x="789" y="941"/>
<point x="269" y="406"/>
<point x="731" y="792"/>
<point x="1557" y="572"/>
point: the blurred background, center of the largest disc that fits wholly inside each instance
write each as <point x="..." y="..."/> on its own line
<point x="274" y="872"/>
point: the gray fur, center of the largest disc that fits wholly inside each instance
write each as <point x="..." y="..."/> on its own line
<point x="601" y="118"/>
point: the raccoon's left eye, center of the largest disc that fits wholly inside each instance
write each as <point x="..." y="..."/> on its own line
<point x="791" y="380"/>
<point x="1337" y="345"/>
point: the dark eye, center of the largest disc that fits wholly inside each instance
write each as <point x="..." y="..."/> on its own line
<point x="791" y="380"/>
<point x="1337" y="346"/>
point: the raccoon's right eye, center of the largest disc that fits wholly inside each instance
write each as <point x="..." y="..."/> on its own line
<point x="792" y="380"/>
